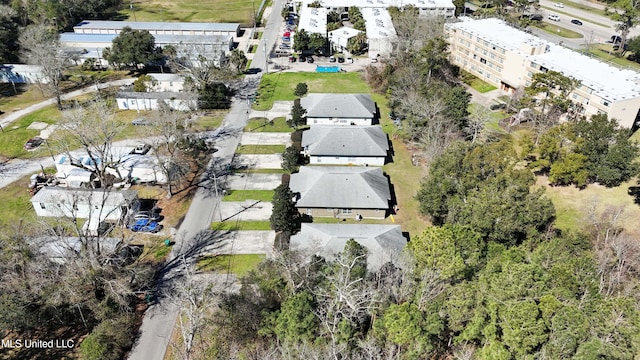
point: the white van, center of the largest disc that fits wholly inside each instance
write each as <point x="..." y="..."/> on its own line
<point x="554" y="17"/>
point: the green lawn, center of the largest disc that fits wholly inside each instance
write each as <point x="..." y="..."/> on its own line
<point x="242" y="195"/>
<point x="263" y="125"/>
<point x="14" y="136"/>
<point x="573" y="204"/>
<point x="260" y="149"/>
<point x="557" y="30"/>
<point x="241" y="225"/>
<point x="477" y="83"/>
<point x="239" y="264"/>
<point x="280" y="86"/>
<point x="605" y="52"/>
<point x="191" y="11"/>
<point x="15" y="203"/>
<point x="209" y="121"/>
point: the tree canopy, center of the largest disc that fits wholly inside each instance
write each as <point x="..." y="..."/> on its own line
<point x="132" y="48"/>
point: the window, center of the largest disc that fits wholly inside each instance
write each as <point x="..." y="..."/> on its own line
<point x="534" y="65"/>
<point x="488" y="76"/>
<point x="309" y="211"/>
<point x="483" y="60"/>
<point x="575" y="96"/>
<point x="346" y="211"/>
<point x="42" y="206"/>
<point x="605" y="103"/>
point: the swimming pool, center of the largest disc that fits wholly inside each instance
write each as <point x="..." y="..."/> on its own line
<point x="327" y="69"/>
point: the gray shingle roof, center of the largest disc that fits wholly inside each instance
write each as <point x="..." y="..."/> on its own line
<point x="341" y="187"/>
<point x="384" y="242"/>
<point x="339" y="105"/>
<point x="346" y="141"/>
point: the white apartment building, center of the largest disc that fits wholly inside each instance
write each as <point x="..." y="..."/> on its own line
<point x="507" y="58"/>
<point x="426" y="7"/>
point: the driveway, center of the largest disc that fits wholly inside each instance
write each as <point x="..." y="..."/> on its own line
<point x="266" y="138"/>
<point x="253" y="181"/>
<point x="279" y="109"/>
<point x="273" y="161"/>
<point x="249" y="210"/>
<point x="243" y="242"/>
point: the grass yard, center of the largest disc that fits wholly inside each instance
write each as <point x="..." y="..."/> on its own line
<point x="573" y="205"/>
<point x="605" y="53"/>
<point x="476" y="83"/>
<point x="190" y="11"/>
<point x="260" y="149"/>
<point x="242" y="195"/>
<point x="241" y="225"/>
<point x="263" y="125"/>
<point x="239" y="264"/>
<point x="280" y="86"/>
<point x="15" y="203"/>
<point x="14" y="136"/>
<point x="211" y="120"/>
<point x="557" y="30"/>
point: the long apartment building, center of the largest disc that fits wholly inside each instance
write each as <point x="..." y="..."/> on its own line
<point x="508" y="58"/>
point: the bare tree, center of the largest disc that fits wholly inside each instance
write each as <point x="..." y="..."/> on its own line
<point x="414" y="30"/>
<point x="201" y="64"/>
<point x="41" y="46"/>
<point x="197" y="296"/>
<point x="345" y="297"/>
<point x="93" y="129"/>
<point x="476" y="124"/>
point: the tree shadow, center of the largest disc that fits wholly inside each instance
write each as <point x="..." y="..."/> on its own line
<point x="635" y="192"/>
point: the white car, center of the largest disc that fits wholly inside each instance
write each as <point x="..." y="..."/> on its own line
<point x="553" y="17"/>
<point x="558" y="5"/>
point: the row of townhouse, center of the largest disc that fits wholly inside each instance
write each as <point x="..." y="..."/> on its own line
<point x="345" y="139"/>
<point x="508" y="58"/>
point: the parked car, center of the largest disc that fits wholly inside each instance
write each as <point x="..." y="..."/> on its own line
<point x="286" y="39"/>
<point x="146" y="225"/>
<point x="284" y="47"/>
<point x="553" y="17"/>
<point x="536" y="17"/>
<point x="616" y="39"/>
<point x="576" y="21"/>
<point x="33" y="143"/>
<point x="332" y="59"/>
<point x="302" y="58"/>
<point x="140" y="149"/>
<point x="349" y="60"/>
<point x="310" y="60"/>
<point x="140" y="122"/>
<point x="558" y="5"/>
<point x="341" y="60"/>
<point x="499" y="106"/>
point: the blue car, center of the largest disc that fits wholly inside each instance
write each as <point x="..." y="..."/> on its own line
<point x="145" y="225"/>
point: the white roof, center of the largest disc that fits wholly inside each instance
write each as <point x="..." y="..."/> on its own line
<point x="421" y="4"/>
<point x="344" y="32"/>
<point x="143" y="25"/>
<point x="52" y="194"/>
<point x="378" y="23"/>
<point x="167" y="77"/>
<point x="607" y="81"/>
<point x="313" y="20"/>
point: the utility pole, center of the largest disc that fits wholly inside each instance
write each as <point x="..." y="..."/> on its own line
<point x="132" y="11"/>
<point x="266" y="58"/>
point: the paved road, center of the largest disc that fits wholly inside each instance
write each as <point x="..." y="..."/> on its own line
<point x="192" y="237"/>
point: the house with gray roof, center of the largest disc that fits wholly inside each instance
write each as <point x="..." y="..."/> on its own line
<point x="339" y="109"/>
<point x="384" y="243"/>
<point x="345" y="145"/>
<point x="341" y="191"/>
